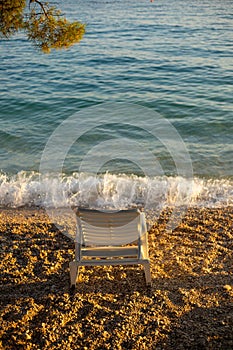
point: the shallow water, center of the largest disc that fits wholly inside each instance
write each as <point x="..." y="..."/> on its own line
<point x="172" y="57"/>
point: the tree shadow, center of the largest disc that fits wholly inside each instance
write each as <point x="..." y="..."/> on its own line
<point x="202" y="329"/>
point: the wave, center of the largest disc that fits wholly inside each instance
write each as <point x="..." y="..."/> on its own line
<point x="112" y="191"/>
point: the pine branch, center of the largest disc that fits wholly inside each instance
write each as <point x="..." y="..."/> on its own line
<point x="41" y="5"/>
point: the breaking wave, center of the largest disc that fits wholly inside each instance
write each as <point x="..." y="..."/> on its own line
<point x="111" y="191"/>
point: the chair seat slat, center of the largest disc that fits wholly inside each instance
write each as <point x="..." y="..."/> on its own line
<point x="110" y="251"/>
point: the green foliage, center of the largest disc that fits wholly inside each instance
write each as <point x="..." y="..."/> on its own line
<point x="11" y="16"/>
<point x="44" y="24"/>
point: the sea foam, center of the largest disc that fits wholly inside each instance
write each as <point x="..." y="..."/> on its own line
<point x="112" y="191"/>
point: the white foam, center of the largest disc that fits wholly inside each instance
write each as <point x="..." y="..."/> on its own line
<point x="110" y="190"/>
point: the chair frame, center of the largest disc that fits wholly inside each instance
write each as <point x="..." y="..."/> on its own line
<point x="115" y="254"/>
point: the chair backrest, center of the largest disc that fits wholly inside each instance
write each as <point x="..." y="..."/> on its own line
<point x="108" y="228"/>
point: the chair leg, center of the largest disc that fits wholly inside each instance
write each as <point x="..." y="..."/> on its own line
<point x="73" y="273"/>
<point x="147" y="273"/>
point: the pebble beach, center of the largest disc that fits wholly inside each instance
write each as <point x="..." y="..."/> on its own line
<point x="139" y="114"/>
<point x="189" y="305"/>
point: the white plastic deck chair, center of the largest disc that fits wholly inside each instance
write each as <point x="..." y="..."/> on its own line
<point x="106" y="235"/>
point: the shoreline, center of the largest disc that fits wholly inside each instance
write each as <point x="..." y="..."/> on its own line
<point x="189" y="305"/>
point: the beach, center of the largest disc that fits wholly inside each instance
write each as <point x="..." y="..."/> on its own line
<point x="137" y="115"/>
<point x="189" y="305"/>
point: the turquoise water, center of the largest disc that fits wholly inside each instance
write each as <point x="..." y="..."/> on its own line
<point x="173" y="57"/>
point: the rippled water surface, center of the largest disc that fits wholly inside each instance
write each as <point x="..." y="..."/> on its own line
<point x="173" y="57"/>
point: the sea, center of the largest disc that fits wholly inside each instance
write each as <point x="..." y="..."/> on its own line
<point x="139" y="113"/>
